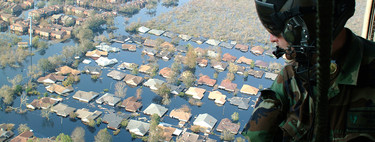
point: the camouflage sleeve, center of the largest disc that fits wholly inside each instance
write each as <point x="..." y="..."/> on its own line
<point x="264" y="123"/>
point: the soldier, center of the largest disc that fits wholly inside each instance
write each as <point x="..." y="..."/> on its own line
<point x="286" y="111"/>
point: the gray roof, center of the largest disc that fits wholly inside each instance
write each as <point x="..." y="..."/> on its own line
<point x="114" y="119"/>
<point x="108" y="98"/>
<point x="198" y="40"/>
<point x="181" y="48"/>
<point x="85" y="96"/>
<point x="242" y="103"/>
<point x="62" y="109"/>
<point x="138" y="127"/>
<point x="270" y="75"/>
<point x="155" y="108"/>
<point x="143" y="29"/>
<point x="156" y="32"/>
<point x="152" y="83"/>
<point x="176" y="89"/>
<point x="226" y="45"/>
<point x="213" y="42"/>
<point x="117" y="75"/>
<point x="170" y="34"/>
<point x="184" y="37"/>
<point x="207" y="119"/>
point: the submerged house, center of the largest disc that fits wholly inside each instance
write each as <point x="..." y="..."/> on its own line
<point x="244" y="60"/>
<point x="154" y="84"/>
<point x="62" y="109"/>
<point x="83" y="96"/>
<point x="218" y="97"/>
<point x="195" y="92"/>
<point x="205" y="79"/>
<point x="143" y="29"/>
<point x="227" y="85"/>
<point x="155" y="109"/>
<point x="184" y="37"/>
<point x="126" y="65"/>
<point x="256" y="73"/>
<point x="261" y="64"/>
<point x="242" y="47"/>
<point x="150" y="43"/>
<point x="241" y="102"/>
<point x="205" y="120"/>
<point x="64" y="70"/>
<point x="202" y="62"/>
<point x="147" y="69"/>
<point x="117" y="75"/>
<point x="176" y="89"/>
<point x="270" y="75"/>
<point x="51" y="78"/>
<point x="131" y="104"/>
<point x="226" y="45"/>
<point x="107" y="48"/>
<point x="95" y="54"/>
<point x="85" y="115"/>
<point x="226" y="124"/>
<point x="249" y="90"/>
<point x="199" y="40"/>
<point x="229" y="58"/>
<point x="114" y="120"/>
<point x="164" y="54"/>
<point x="156" y="32"/>
<point x="58" y="89"/>
<point x="166" y="72"/>
<point x="180" y="114"/>
<point x="213" y="42"/>
<point x="109" y="99"/>
<point x="94" y="70"/>
<point x="169" y="34"/>
<point x="257" y="50"/>
<point x="133" y="80"/>
<point x="42" y="103"/>
<point x="149" y="51"/>
<point x="138" y="127"/>
<point x="221" y="66"/>
<point x="130" y="47"/>
<point x="104" y="61"/>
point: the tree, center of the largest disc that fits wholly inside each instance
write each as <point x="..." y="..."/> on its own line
<point x="91" y="123"/>
<point x="120" y="90"/>
<point x="22" y="128"/>
<point x="230" y="76"/>
<point x="191" y="58"/>
<point x="6" y="93"/>
<point x="45" y="65"/>
<point x="195" y="128"/>
<point x="232" y="67"/>
<point x="63" y="138"/>
<point x="40" y="4"/>
<point x="34" y="72"/>
<point x="227" y="136"/>
<point x="156" y="132"/>
<point x="15" y="81"/>
<point x="124" y="123"/>
<point x="78" y="134"/>
<point x="188" y="78"/>
<point x="103" y="136"/>
<point x="45" y="113"/>
<point x="35" y="41"/>
<point x="235" y="116"/>
<point x="239" y="139"/>
<point x="23" y="100"/>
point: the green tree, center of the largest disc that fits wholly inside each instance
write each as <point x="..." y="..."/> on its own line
<point x="78" y="134"/>
<point x="124" y="123"/>
<point x="35" y="41"/>
<point x="227" y="136"/>
<point x="6" y="93"/>
<point x="191" y="58"/>
<point x="103" y="136"/>
<point x="40" y="4"/>
<point x="15" y="81"/>
<point x="188" y="78"/>
<point x="45" y="65"/>
<point x="22" y="128"/>
<point x="91" y="123"/>
<point x="156" y="132"/>
<point x="235" y="116"/>
<point x="63" y="138"/>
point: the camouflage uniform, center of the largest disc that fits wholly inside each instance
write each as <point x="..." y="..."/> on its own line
<point x="286" y="113"/>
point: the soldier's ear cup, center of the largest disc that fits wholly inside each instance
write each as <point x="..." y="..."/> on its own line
<point x="295" y="31"/>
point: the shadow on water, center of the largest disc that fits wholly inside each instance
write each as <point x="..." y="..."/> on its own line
<point x="157" y="100"/>
<point x="48" y="123"/>
<point x="91" y="129"/>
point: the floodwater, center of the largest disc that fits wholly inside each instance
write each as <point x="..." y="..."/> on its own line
<point x="56" y="124"/>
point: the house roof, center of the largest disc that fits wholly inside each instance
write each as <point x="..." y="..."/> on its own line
<point x="153" y="83"/>
<point x="166" y="72"/>
<point x="170" y="34"/>
<point x="219" y="65"/>
<point x="150" y="43"/>
<point x="126" y="65"/>
<point x="181" y="48"/>
<point x="44" y="103"/>
<point x="167" y="132"/>
<point x="145" y="69"/>
<point x="85" y="114"/>
<point x="114" y="119"/>
<point x="23" y="137"/>
<point x="250" y="90"/>
<point x="109" y="99"/>
<point x="104" y="47"/>
<point x="85" y="96"/>
<point x="117" y="75"/>
<point x="205" y="120"/>
<point x="256" y="73"/>
<point x="52" y="77"/>
<point x="62" y="109"/>
<point x="131" y="104"/>
<point x="242" y="47"/>
<point x="191" y="137"/>
<point x="205" y="79"/>
<point x="138" y="127"/>
<point x="257" y="50"/>
<point x="184" y="37"/>
<point x="241" y="102"/>
<point x="226" y="45"/>
<point x="133" y="80"/>
<point x="202" y="62"/>
<point x="213" y="42"/>
<point x="226" y="124"/>
<point x="226" y="84"/>
<point x="261" y="64"/>
<point x="156" y="32"/>
<point x="130" y="47"/>
<point x="104" y="61"/>
<point x="180" y="115"/>
<point x="96" y="53"/>
<point x="155" y="108"/>
<point x="229" y="58"/>
<point x="199" y="40"/>
<point x="196" y="92"/>
<point x="92" y="69"/>
<point x="66" y="70"/>
<point x="270" y="75"/>
<point x="59" y="89"/>
<point x="143" y="29"/>
<point x="245" y="60"/>
<point x="216" y="95"/>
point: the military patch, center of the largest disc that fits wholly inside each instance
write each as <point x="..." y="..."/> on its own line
<point x="361" y="120"/>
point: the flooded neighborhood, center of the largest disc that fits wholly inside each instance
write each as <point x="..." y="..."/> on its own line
<point x="130" y="70"/>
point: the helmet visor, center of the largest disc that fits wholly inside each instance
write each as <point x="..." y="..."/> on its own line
<point x="265" y="12"/>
